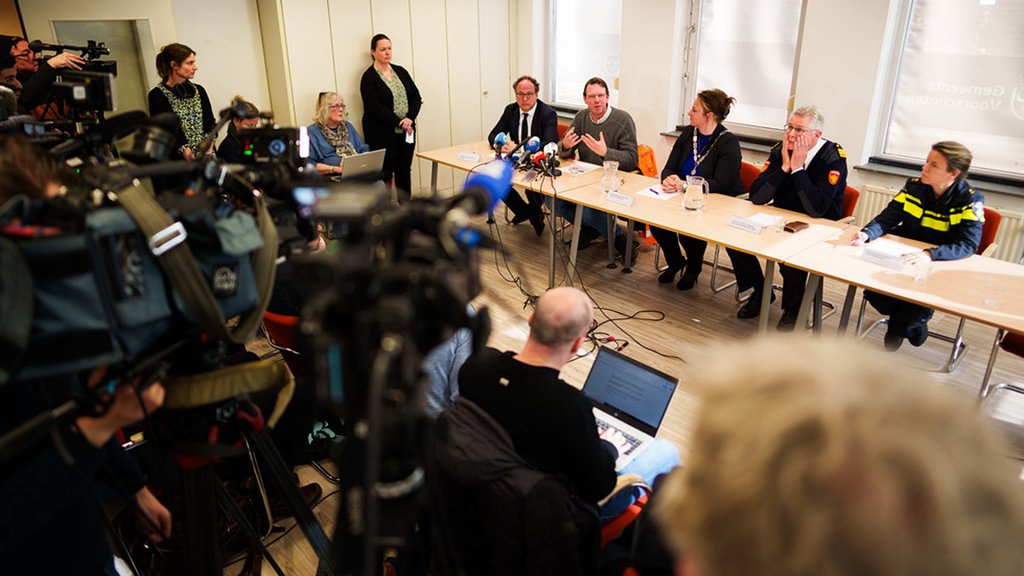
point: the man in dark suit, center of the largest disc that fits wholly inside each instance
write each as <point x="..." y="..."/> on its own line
<point x="804" y="173"/>
<point x="521" y="120"/>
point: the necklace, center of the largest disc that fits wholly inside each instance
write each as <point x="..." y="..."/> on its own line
<point x="707" y="150"/>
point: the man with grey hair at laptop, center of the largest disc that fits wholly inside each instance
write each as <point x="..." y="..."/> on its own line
<point x="550" y="422"/>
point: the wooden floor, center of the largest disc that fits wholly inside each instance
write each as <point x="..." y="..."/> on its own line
<point x="666" y="328"/>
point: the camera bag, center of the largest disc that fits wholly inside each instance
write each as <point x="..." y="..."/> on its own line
<point x="108" y="293"/>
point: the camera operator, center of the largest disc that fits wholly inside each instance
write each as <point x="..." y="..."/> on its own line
<point x="51" y="519"/>
<point x="9" y="73"/>
<point x="37" y="75"/>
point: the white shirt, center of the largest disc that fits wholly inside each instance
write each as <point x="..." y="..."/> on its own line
<point x="810" y="155"/>
<point x="529" y="121"/>
<point x="607" y="113"/>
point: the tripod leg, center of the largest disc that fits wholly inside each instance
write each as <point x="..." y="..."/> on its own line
<point x="201" y="521"/>
<point x="279" y="473"/>
<point x="236" y="513"/>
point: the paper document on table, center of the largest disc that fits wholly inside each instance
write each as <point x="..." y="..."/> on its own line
<point x="885" y="252"/>
<point x="756" y="222"/>
<point x="657" y="192"/>
<point x="578" y="168"/>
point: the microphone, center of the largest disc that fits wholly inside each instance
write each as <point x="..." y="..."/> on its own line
<point x="537" y="159"/>
<point x="534" y="141"/>
<point x="39" y="46"/>
<point x="486" y="187"/>
<point x="551" y="150"/>
<point x="499" y="142"/>
<point x="483" y="190"/>
<point x="532" y="145"/>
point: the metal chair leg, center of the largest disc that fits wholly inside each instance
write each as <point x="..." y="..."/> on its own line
<point x="323" y="472"/>
<point x="715" y="266"/>
<point x="959" y="346"/>
<point x="985" y="390"/>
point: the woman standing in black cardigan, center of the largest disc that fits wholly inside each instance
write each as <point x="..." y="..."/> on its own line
<point x="391" y="103"/>
<point x="704" y="148"/>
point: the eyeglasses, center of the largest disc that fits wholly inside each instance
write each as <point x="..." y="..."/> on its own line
<point x="26" y="55"/>
<point x="526" y="94"/>
<point x="337" y="106"/>
<point x="797" y="129"/>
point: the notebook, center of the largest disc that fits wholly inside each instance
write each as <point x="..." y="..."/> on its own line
<point x="365" y="166"/>
<point x="629" y="397"/>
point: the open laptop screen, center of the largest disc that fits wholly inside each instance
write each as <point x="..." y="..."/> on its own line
<point x="628" y="389"/>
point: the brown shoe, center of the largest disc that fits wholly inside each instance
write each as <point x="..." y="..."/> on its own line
<point x="279" y="506"/>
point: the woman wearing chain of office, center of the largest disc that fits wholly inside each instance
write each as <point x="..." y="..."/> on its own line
<point x="707" y="149"/>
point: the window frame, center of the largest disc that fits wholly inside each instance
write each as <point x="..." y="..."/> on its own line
<point x="552" y="75"/>
<point x="886" y="104"/>
<point x="746" y="132"/>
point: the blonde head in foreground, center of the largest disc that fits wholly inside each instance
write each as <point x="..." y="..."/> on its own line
<point x="824" y="458"/>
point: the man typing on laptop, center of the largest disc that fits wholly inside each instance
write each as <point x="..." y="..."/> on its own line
<point x="550" y="422"/>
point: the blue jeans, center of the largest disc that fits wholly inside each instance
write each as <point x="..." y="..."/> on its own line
<point x="441" y="366"/>
<point x="658" y="458"/>
<point x="594" y="218"/>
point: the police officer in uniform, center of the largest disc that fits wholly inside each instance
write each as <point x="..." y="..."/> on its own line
<point x="804" y="173"/>
<point x="940" y="208"/>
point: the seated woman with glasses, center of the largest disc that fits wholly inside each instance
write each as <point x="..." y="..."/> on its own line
<point x="331" y="137"/>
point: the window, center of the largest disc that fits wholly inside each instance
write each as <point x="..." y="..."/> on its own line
<point x="584" y="43"/>
<point x="960" y="76"/>
<point x="748" y="50"/>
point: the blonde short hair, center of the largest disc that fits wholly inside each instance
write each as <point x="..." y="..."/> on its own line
<point x="824" y="458"/>
<point x="323" y="106"/>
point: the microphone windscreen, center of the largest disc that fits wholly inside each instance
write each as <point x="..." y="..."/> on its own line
<point x="533" y="144"/>
<point x="492" y="181"/>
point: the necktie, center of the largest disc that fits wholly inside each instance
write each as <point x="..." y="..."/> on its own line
<point x="524" y="128"/>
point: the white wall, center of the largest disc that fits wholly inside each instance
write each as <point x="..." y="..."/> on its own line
<point x="458" y="52"/>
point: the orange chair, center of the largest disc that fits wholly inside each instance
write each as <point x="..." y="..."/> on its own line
<point x="748" y="173"/>
<point x="561" y="130"/>
<point x="614" y="528"/>
<point x="986" y="247"/>
<point x="1013" y="343"/>
<point x="850" y="197"/>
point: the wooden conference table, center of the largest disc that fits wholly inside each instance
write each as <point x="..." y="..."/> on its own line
<point x="978" y="288"/>
<point x="711" y="224"/>
<point x="468" y="157"/>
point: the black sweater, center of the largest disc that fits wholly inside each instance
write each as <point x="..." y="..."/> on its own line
<point x="379" y="118"/>
<point x="550" y="422"/>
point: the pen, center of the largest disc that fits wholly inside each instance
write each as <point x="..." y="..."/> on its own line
<point x="653" y="190"/>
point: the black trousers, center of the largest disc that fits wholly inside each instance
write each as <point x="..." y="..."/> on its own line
<point x="693" y="247"/>
<point x="749" y="275"/>
<point x="521" y="207"/>
<point x="901" y="314"/>
<point x="398" y="164"/>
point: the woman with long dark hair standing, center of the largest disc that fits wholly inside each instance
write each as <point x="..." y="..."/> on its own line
<point x="176" y="64"/>
<point x="391" y="103"/>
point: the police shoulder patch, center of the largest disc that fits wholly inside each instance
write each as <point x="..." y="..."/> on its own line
<point x="979" y="210"/>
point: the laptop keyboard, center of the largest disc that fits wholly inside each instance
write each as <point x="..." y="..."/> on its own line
<point x="633" y="442"/>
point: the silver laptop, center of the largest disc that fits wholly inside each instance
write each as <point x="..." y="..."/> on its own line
<point x="365" y="166"/>
<point x="629" y="397"/>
